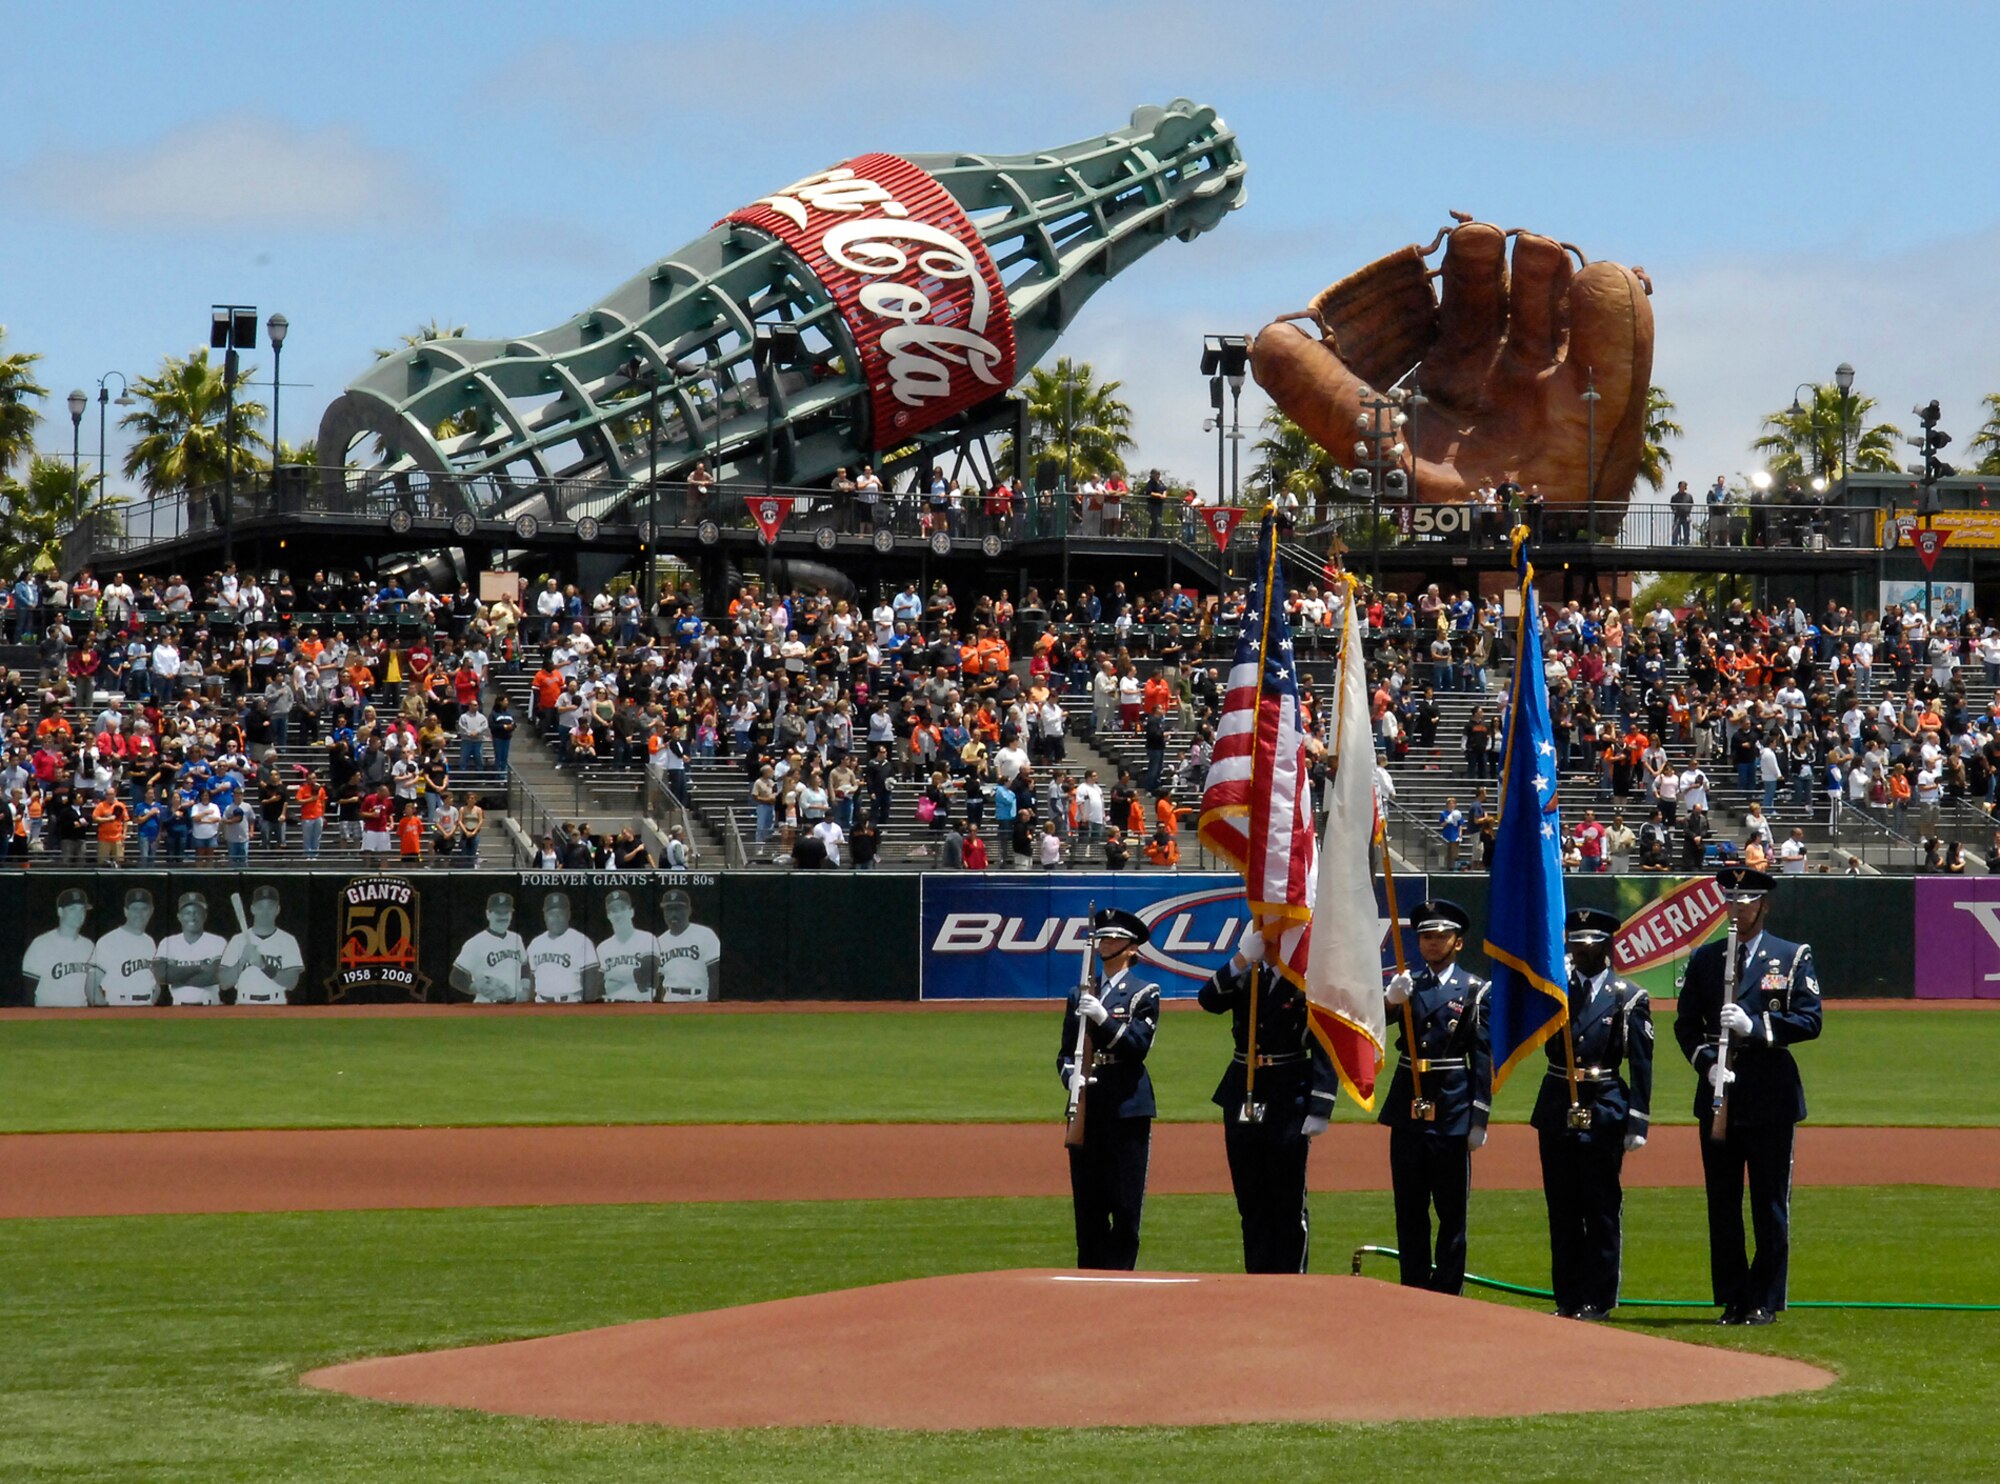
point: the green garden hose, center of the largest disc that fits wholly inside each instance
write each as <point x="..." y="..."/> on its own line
<point x="1644" y="1303"/>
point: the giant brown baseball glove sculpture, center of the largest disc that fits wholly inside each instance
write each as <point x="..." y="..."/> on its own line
<point x="1502" y="360"/>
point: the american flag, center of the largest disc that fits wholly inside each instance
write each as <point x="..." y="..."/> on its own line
<point x="1257" y="810"/>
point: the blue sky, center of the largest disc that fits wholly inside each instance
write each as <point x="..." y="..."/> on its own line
<point x="1805" y="184"/>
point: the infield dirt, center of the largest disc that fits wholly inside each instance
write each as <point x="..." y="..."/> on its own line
<point x="132" y="1174"/>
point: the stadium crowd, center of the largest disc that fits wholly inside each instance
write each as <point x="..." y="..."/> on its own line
<point x="157" y="729"/>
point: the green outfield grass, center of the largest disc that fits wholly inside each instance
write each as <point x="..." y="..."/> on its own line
<point x="167" y="1349"/>
<point x="1918" y="1067"/>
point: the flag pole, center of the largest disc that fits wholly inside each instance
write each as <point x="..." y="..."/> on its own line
<point x="1526" y="579"/>
<point x="1402" y="967"/>
<point x="1250" y="1112"/>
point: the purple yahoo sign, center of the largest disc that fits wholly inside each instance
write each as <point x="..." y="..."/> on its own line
<point x="1958" y="938"/>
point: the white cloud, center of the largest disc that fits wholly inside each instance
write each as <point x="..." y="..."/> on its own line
<point x="239" y="170"/>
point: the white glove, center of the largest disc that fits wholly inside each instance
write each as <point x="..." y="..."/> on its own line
<point x="1399" y="988"/>
<point x="1736" y="1020"/>
<point x="1314" y="1126"/>
<point x="1250" y="947"/>
<point x="1720" y="1076"/>
<point x="1091" y="1008"/>
<point x="1634" y="1141"/>
<point x="1477" y="1138"/>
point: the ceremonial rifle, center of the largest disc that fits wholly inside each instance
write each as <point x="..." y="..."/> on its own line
<point x="1718" y="1107"/>
<point x="1079" y="1070"/>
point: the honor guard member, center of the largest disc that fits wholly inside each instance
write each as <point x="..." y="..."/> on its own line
<point x="1270" y="1120"/>
<point x="1107" y="1171"/>
<point x="1584" y="1143"/>
<point x="1768" y="1003"/>
<point x="1438" y="1098"/>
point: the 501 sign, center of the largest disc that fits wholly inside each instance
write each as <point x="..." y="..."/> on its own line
<point x="1436" y="520"/>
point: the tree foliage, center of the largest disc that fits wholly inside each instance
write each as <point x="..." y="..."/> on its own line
<point x="1655" y="458"/>
<point x="1292" y="469"/>
<point x="178" y="431"/>
<point x="35" y="512"/>
<point x="1804" y="439"/>
<point x="1074" y="422"/>
<point x="19" y="391"/>
<point x="1987" y="439"/>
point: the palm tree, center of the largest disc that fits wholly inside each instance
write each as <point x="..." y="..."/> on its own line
<point x="1290" y="464"/>
<point x="1654" y="457"/>
<point x="1988" y="436"/>
<point x="34" y="514"/>
<point x="1075" y="424"/>
<point x="17" y="418"/>
<point x="179" y="436"/>
<point x="1805" y="440"/>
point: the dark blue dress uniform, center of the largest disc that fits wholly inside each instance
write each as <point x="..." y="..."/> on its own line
<point x="1778" y="988"/>
<point x="1430" y="1160"/>
<point x="1107" y="1173"/>
<point x="1611" y="1022"/>
<point x="1295" y="1081"/>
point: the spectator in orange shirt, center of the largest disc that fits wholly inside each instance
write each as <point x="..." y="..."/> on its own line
<point x="1158" y="695"/>
<point x="1167" y="814"/>
<point x="546" y="689"/>
<point x="311" y="795"/>
<point x="1163" y="849"/>
<point x="1899" y="797"/>
<point x="986" y="723"/>
<point x="410" y="835"/>
<point x="994" y="656"/>
<point x="111" y="816"/>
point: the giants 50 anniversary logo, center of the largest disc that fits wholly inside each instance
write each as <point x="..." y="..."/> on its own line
<point x="378" y="941"/>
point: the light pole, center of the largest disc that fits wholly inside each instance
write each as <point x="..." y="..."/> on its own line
<point x="1591" y="397"/>
<point x="231" y="327"/>
<point x="276" y="327"/>
<point x="1224" y="360"/>
<point x="1843" y="377"/>
<point x="775" y="345"/>
<point x="1379" y="422"/>
<point x="77" y="402"/>
<point x="1812" y="426"/>
<point x="125" y="399"/>
<point x="640" y="373"/>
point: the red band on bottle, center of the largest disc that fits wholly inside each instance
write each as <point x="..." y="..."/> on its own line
<point x="914" y="282"/>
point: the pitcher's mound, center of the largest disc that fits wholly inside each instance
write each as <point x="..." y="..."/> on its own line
<point x="1061" y="1349"/>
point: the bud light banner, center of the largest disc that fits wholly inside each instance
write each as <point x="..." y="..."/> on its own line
<point x="994" y="937"/>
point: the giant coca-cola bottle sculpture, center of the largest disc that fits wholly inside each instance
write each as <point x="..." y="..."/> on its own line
<point x="921" y="287"/>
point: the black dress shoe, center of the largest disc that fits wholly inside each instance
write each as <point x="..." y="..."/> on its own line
<point x="1565" y="1313"/>
<point x="1730" y="1315"/>
<point x="1590" y="1314"/>
<point x="1758" y="1316"/>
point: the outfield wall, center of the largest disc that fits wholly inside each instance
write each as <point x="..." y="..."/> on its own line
<point x="319" y="938"/>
